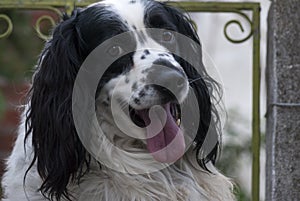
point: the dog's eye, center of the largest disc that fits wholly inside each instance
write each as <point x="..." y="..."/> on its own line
<point x="115" y="50"/>
<point x="167" y="36"/>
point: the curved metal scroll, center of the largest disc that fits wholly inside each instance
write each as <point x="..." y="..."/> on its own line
<point x="237" y="22"/>
<point x="9" y="28"/>
<point x="49" y="18"/>
<point x="38" y="25"/>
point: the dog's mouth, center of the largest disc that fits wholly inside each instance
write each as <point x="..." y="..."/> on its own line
<point x="139" y="121"/>
<point x="165" y="140"/>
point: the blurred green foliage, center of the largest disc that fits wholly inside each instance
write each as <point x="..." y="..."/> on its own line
<point x="236" y="149"/>
<point x="20" y="50"/>
<point x="2" y="105"/>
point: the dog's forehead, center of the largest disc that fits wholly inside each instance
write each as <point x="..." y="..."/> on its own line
<point x="131" y="11"/>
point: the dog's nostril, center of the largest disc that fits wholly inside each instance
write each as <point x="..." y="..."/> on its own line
<point x="174" y="80"/>
<point x="180" y="82"/>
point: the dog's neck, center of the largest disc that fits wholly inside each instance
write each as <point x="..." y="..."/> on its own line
<point x="126" y="166"/>
<point x="179" y="181"/>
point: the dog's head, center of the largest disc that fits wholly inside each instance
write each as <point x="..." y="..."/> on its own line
<point x="147" y="70"/>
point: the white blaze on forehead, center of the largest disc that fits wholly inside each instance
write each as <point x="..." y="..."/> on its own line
<point x="131" y="11"/>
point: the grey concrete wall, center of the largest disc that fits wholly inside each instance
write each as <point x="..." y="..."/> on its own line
<point x="283" y="90"/>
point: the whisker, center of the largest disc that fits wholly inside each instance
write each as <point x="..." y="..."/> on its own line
<point x="194" y="80"/>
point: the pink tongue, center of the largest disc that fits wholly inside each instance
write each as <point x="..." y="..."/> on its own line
<point x="165" y="142"/>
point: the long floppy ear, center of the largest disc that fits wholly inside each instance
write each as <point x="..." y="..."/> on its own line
<point x="204" y="88"/>
<point x="58" y="152"/>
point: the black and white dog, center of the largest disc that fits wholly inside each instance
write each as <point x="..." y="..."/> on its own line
<point x="148" y="85"/>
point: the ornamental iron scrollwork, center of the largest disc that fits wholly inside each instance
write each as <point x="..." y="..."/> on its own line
<point x="239" y="23"/>
<point x="9" y="26"/>
<point x="38" y="25"/>
<point x="67" y="6"/>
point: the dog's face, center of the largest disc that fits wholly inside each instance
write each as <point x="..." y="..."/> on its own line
<point x="147" y="72"/>
<point x="151" y="61"/>
<point x="146" y="75"/>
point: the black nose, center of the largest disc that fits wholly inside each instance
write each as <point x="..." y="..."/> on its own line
<point x="166" y="77"/>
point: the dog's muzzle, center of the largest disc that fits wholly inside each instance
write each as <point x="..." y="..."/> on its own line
<point x="168" y="79"/>
<point x="165" y="139"/>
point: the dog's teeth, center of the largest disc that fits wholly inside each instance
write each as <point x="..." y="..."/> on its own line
<point x="178" y="122"/>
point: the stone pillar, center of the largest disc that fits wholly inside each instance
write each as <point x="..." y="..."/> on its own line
<point x="283" y="99"/>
